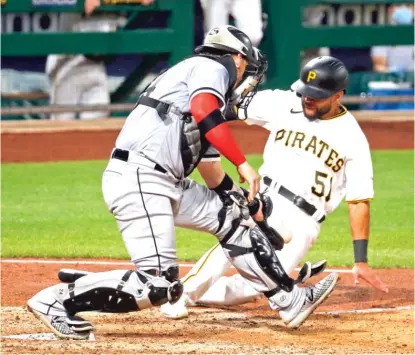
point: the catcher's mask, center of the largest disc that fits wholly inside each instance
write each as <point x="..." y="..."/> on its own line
<point x="228" y="40"/>
<point x="254" y="74"/>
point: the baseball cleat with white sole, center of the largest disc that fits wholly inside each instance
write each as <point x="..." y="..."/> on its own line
<point x="313" y="296"/>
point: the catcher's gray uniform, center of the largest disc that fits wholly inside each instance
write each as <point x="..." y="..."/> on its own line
<point x="147" y="193"/>
<point x="146" y="187"/>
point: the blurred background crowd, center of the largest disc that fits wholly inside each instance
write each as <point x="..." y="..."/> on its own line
<point x="86" y="79"/>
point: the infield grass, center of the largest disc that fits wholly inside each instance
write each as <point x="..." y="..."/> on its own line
<point x="57" y="210"/>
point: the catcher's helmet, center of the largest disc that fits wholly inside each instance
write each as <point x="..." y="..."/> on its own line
<point x="321" y="77"/>
<point x="228" y="39"/>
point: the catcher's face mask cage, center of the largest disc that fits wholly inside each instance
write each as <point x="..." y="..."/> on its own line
<point x="257" y="71"/>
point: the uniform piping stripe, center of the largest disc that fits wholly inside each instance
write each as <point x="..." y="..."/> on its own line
<point x="208" y="90"/>
<point x="149" y="220"/>
<point x="336" y="116"/>
<point x="201" y="266"/>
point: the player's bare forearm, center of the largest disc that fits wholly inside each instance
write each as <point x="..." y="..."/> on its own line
<point x="359" y="216"/>
<point x="212" y="172"/>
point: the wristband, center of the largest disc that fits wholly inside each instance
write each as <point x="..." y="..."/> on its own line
<point x="225" y="185"/>
<point x="360" y="250"/>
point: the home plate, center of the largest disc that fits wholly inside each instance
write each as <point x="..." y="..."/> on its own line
<point x="37" y="336"/>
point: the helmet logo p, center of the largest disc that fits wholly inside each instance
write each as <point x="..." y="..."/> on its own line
<point x="311" y="75"/>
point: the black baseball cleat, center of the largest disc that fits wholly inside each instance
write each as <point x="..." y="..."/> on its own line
<point x="309" y="270"/>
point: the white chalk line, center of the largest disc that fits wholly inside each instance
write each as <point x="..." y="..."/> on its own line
<point x="368" y="310"/>
<point x="121" y="263"/>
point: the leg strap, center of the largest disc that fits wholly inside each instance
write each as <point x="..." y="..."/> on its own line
<point x="236" y="250"/>
<point x="171" y="274"/>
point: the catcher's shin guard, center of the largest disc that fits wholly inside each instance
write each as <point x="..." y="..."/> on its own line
<point x="248" y="248"/>
<point x="117" y="291"/>
<point x="252" y="255"/>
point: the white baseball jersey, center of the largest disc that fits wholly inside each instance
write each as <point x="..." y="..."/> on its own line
<point x="320" y="160"/>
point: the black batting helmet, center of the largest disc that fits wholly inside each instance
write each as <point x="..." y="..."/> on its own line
<point x="229" y="39"/>
<point x="322" y="77"/>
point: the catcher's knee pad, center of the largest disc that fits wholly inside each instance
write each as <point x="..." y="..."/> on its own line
<point x="117" y="291"/>
<point x="175" y="290"/>
<point x="253" y="256"/>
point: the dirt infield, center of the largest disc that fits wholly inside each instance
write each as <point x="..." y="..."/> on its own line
<point x="384" y="324"/>
<point x="250" y="329"/>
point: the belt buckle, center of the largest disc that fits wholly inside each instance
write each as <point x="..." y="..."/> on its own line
<point x="174" y="112"/>
<point x="297" y="200"/>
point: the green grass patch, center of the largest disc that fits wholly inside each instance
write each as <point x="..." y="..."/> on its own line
<point x="57" y="210"/>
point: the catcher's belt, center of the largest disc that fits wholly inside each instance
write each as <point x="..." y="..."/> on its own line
<point x="297" y="200"/>
<point x="124" y="155"/>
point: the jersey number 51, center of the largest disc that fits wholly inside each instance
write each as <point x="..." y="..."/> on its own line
<point x="321" y="189"/>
